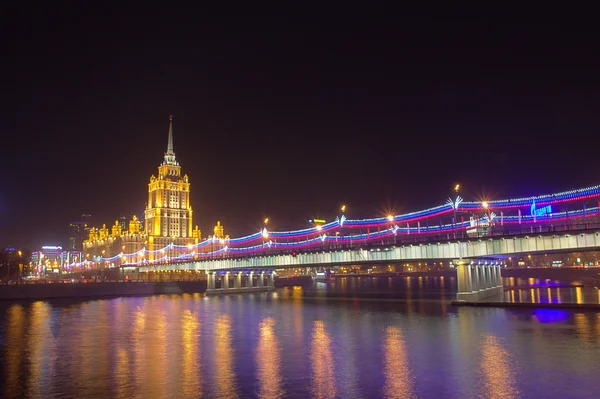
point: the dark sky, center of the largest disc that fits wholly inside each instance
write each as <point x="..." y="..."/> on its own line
<point x="291" y="116"/>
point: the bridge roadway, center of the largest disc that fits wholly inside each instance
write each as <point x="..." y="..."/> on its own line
<point x="433" y="249"/>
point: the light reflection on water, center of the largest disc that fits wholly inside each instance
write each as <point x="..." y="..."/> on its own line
<point x="398" y="377"/>
<point x="576" y="295"/>
<point x="422" y="287"/>
<point x="497" y="369"/>
<point x="190" y="381"/>
<point x="294" y="346"/>
<point x="323" y="377"/>
<point x="268" y="361"/>
<point x="224" y="377"/>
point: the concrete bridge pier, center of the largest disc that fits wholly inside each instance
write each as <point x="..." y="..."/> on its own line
<point x="210" y="281"/>
<point x="271" y="280"/>
<point x="477" y="280"/>
<point x="238" y="286"/>
<point x="225" y="281"/>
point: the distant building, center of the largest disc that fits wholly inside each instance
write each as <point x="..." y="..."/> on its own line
<point x="78" y="232"/>
<point x="49" y="259"/>
<point x="122" y="222"/>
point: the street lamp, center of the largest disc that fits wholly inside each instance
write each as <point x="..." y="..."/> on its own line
<point x="390" y="219"/>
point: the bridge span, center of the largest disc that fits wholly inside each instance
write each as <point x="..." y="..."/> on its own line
<point x="475" y="248"/>
<point x="476" y="260"/>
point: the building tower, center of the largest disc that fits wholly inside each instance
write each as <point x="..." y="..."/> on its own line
<point x="168" y="215"/>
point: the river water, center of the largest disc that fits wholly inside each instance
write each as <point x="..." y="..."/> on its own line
<point x="297" y="343"/>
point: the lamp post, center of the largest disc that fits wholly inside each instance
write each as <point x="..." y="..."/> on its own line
<point x="489" y="215"/>
<point x="341" y="219"/>
<point x="390" y="219"/>
<point x="456" y="188"/>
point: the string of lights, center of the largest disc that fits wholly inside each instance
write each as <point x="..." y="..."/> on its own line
<point x="322" y="237"/>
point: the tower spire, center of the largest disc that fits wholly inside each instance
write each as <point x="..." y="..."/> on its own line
<point x="170" y="144"/>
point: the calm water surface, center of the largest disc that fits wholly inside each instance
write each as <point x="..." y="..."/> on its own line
<point x="296" y="343"/>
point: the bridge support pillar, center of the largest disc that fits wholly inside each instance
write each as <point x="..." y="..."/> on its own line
<point x="466" y="276"/>
<point x="474" y="278"/>
<point x="486" y="277"/>
<point x="476" y="281"/>
<point x="272" y="280"/>
<point x="225" y="281"/>
<point x="238" y="287"/>
<point x="499" y="276"/>
<point x="210" y="281"/>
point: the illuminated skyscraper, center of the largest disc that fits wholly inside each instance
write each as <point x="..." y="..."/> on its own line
<point x="168" y="216"/>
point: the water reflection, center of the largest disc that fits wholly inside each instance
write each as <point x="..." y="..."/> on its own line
<point x="122" y="374"/>
<point x="190" y="377"/>
<point x="225" y="379"/>
<point x="323" y="377"/>
<point x="183" y="346"/>
<point x="38" y="342"/>
<point x="584" y="328"/>
<point x="268" y="361"/>
<point x="156" y="354"/>
<point x="138" y="336"/>
<point x="579" y="295"/>
<point x="497" y="371"/>
<point x="14" y="349"/>
<point x="398" y="379"/>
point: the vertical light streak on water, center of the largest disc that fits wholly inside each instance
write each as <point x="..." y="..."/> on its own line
<point x="347" y="377"/>
<point x="583" y="327"/>
<point x="497" y="369"/>
<point x="14" y="350"/>
<point x="268" y="361"/>
<point x="120" y="345"/>
<point x="225" y="379"/>
<point x="122" y="373"/>
<point x="190" y="383"/>
<point x="398" y="376"/>
<point x="138" y="336"/>
<point x="39" y="338"/>
<point x="99" y="326"/>
<point x="158" y="371"/>
<point x="81" y="365"/>
<point x="323" y="376"/>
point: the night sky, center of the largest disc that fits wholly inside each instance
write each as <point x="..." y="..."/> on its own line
<point x="288" y="117"/>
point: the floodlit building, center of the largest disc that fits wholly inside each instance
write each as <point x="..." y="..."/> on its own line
<point x="167" y="220"/>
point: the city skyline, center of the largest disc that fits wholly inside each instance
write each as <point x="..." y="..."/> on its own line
<point x="291" y="125"/>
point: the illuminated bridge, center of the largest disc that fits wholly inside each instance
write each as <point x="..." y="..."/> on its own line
<point x="467" y="233"/>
